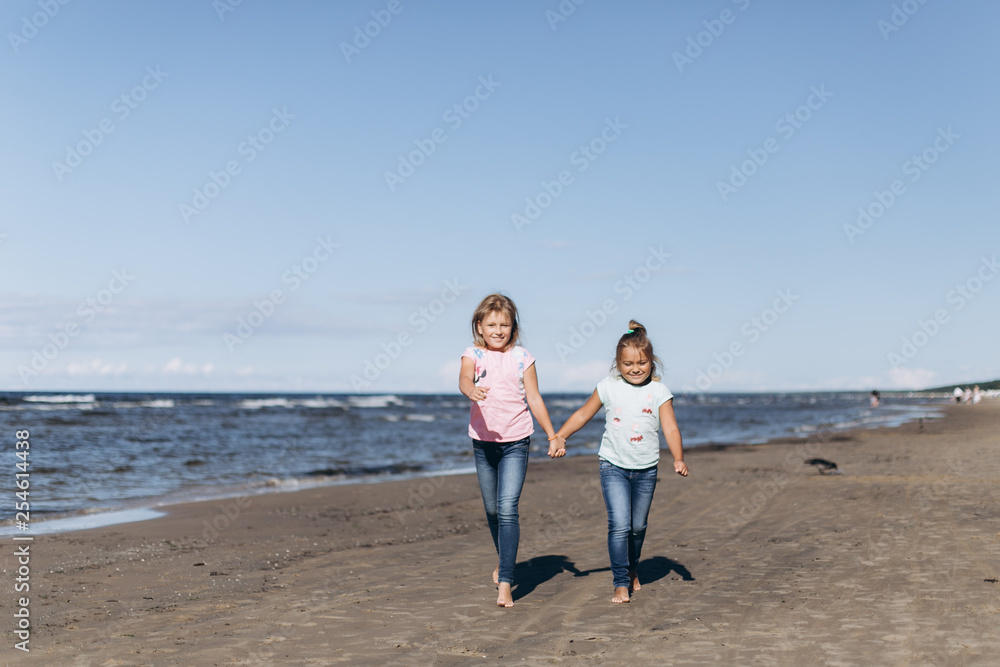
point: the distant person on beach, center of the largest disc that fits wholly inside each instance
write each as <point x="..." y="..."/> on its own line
<point x="636" y="404"/>
<point x="957" y="394"/>
<point x="499" y="377"/>
<point x="874" y="399"/>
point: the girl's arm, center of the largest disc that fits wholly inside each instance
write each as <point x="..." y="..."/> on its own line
<point x="537" y="407"/>
<point x="673" y="435"/>
<point x="467" y="381"/>
<point x="579" y="419"/>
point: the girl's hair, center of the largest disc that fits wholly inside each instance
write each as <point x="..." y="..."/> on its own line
<point x="495" y="303"/>
<point x="637" y="339"/>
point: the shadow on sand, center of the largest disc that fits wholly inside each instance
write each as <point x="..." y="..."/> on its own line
<point x="529" y="574"/>
<point x="658" y="567"/>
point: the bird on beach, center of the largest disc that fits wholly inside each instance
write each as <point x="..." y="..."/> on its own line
<point x="824" y="466"/>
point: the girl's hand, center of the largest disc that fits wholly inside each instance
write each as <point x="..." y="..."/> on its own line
<point x="681" y="468"/>
<point x="478" y="394"/>
<point x="557" y="447"/>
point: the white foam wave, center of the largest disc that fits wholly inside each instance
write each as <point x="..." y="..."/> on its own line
<point x="60" y="398"/>
<point x="158" y="403"/>
<point x="277" y="402"/>
<point x="258" y="403"/>
<point x="86" y="521"/>
<point x="563" y="403"/>
<point x="55" y="407"/>
<point x="374" y="401"/>
<point x="321" y="403"/>
<point x="419" y="418"/>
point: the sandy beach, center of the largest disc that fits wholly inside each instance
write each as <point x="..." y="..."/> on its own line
<point x="755" y="559"/>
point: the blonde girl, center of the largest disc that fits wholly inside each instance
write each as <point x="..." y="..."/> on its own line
<point x="498" y="376"/>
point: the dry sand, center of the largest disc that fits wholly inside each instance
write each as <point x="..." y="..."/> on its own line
<point x="756" y="559"/>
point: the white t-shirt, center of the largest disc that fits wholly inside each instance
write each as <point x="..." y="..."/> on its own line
<point x="632" y="422"/>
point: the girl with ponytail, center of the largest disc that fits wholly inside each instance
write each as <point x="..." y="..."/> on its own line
<point x="636" y="405"/>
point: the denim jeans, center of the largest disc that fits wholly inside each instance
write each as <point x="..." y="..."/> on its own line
<point x="627" y="495"/>
<point x="500" y="467"/>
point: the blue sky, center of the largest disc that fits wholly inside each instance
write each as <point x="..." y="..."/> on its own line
<point x="211" y="196"/>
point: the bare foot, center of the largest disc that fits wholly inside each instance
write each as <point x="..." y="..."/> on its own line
<point x="504" y="598"/>
<point x="621" y="594"/>
<point x="496" y="575"/>
<point x="633" y="579"/>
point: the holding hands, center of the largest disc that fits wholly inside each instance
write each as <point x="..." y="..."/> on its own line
<point x="557" y="446"/>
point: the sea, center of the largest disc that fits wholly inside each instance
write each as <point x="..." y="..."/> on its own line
<point x="102" y="458"/>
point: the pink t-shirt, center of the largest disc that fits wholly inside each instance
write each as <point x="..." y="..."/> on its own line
<point x="503" y="415"/>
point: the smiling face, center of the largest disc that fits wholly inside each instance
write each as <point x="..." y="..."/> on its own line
<point x="634" y="365"/>
<point x="495" y="330"/>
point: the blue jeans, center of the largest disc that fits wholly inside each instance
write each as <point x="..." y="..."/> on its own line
<point x="627" y="495"/>
<point x="500" y="467"/>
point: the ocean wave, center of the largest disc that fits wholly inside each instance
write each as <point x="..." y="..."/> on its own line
<point x="158" y="403"/>
<point x="60" y="398"/>
<point x="281" y="402"/>
<point x="419" y="418"/>
<point x="367" y="470"/>
<point x="86" y="519"/>
<point x="50" y="407"/>
<point x="377" y="401"/>
<point x="258" y="403"/>
<point x="321" y="403"/>
<point x="565" y="403"/>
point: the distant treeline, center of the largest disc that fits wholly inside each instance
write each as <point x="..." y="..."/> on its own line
<point x="995" y="384"/>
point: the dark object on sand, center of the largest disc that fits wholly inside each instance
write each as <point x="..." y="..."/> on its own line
<point x="825" y="467"/>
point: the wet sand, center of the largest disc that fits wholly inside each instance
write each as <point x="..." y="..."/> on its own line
<point x="755" y="559"/>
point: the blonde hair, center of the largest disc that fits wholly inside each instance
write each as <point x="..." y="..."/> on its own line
<point x="637" y="339"/>
<point x="495" y="303"/>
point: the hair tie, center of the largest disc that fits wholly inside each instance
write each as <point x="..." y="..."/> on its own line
<point x="630" y="331"/>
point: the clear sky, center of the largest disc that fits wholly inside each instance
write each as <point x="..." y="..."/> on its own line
<point x="307" y="196"/>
